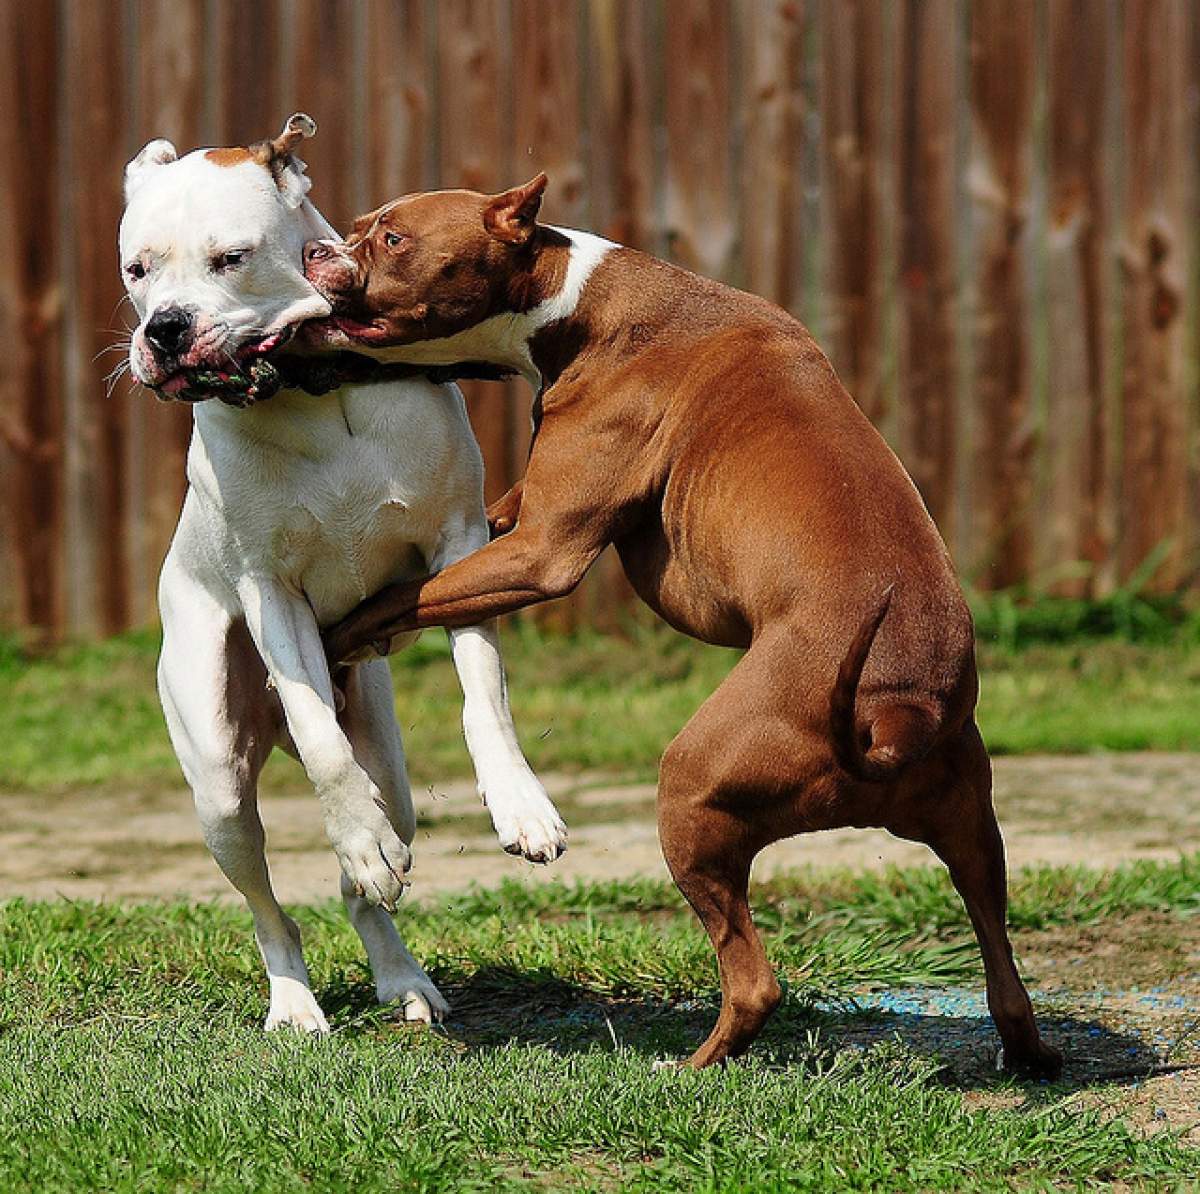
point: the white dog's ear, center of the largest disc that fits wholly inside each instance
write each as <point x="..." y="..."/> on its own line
<point x="285" y="167"/>
<point x="154" y="153"/>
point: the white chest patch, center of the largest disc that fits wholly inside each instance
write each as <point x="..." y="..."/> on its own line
<point x="335" y="496"/>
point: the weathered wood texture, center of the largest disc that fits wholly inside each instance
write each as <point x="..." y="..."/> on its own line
<point x="1156" y="259"/>
<point x="854" y="164"/>
<point x="97" y="425"/>
<point x="928" y="357"/>
<point x="985" y="210"/>
<point x="32" y="479"/>
<point x="1075" y="508"/>
<point x="1001" y="56"/>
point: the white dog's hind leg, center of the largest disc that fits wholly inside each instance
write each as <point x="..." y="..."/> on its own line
<point x="234" y="834"/>
<point x="525" y="819"/>
<point x="373" y="857"/>
<point x="222" y="725"/>
<point x="369" y="720"/>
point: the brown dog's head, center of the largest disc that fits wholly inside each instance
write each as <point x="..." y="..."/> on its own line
<point x="427" y="266"/>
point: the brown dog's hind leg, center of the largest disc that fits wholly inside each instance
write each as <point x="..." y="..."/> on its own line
<point x="726" y="789"/>
<point x="966" y="837"/>
<point x="713" y="877"/>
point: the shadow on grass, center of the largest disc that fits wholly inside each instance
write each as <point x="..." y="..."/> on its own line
<point x="500" y="1005"/>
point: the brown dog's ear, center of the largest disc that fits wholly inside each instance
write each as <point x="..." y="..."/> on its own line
<point x="512" y="215"/>
<point x="278" y="156"/>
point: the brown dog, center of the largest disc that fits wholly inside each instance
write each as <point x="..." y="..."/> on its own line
<point x="704" y="433"/>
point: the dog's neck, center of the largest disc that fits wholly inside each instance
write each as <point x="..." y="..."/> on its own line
<point x="548" y="292"/>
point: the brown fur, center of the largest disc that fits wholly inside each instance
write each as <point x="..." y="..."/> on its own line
<point x="231" y="156"/>
<point x="703" y="432"/>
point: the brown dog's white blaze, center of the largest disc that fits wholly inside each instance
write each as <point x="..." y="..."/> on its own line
<point x="753" y="505"/>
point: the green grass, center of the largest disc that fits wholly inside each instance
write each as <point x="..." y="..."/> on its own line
<point x="130" y="1056"/>
<point x="1065" y="677"/>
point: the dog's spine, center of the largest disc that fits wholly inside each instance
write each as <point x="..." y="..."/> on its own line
<point x="900" y="734"/>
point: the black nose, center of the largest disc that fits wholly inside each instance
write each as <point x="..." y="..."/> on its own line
<point x="317" y="250"/>
<point x="168" y="329"/>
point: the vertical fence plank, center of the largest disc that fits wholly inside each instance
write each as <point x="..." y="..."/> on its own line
<point x="399" y="116"/>
<point x="547" y="115"/>
<point x="474" y="132"/>
<point x="473" y="91"/>
<point x="246" y="100"/>
<point x="1075" y="517"/>
<point x="773" y="140"/>
<point x="319" y="83"/>
<point x="1155" y="254"/>
<point x="701" y="211"/>
<point x="853" y="113"/>
<point x="169" y="98"/>
<point x="97" y="434"/>
<point x="31" y="302"/>
<point x="620" y="112"/>
<point x="927" y="354"/>
<point x="1002" y="57"/>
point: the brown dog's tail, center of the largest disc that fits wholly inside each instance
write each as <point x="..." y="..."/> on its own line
<point x="900" y="733"/>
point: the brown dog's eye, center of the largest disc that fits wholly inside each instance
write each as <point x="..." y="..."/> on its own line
<point x="392" y="239"/>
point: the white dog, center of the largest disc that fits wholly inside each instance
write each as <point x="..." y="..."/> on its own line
<point x="296" y="510"/>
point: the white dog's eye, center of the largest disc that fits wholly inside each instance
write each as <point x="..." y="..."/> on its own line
<point x="136" y="271"/>
<point x="230" y="259"/>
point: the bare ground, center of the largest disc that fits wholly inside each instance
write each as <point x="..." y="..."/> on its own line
<point x="110" y="844"/>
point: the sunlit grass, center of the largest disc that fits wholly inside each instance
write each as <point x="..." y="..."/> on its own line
<point x="131" y="1057"/>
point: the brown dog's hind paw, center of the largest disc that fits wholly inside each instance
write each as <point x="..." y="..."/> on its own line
<point x="1042" y="1063"/>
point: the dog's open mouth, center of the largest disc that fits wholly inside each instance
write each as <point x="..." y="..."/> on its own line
<point x="341" y="328"/>
<point x="246" y="378"/>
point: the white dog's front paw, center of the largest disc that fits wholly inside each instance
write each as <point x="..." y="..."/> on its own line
<point x="415" y="994"/>
<point x="293" y="1005"/>
<point x="526" y="821"/>
<point x="375" y="861"/>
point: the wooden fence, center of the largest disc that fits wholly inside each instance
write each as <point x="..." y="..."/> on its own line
<point x="985" y="209"/>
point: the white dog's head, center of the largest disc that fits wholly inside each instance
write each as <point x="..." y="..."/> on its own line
<point x="211" y="255"/>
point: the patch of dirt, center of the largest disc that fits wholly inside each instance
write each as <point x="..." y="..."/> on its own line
<point x="1137" y="953"/>
<point x="114" y="844"/>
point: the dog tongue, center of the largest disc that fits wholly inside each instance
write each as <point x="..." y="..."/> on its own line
<point x="259" y="348"/>
<point x="174" y="384"/>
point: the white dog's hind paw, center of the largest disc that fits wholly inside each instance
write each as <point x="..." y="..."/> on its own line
<point x="293" y="1005"/>
<point x="416" y="996"/>
<point x="375" y="861"/>
<point x="526" y="821"/>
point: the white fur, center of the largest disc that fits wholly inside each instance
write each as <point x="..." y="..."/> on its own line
<point x="296" y="510"/>
<point x="504" y="339"/>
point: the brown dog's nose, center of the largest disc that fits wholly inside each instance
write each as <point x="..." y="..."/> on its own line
<point x="317" y="250"/>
